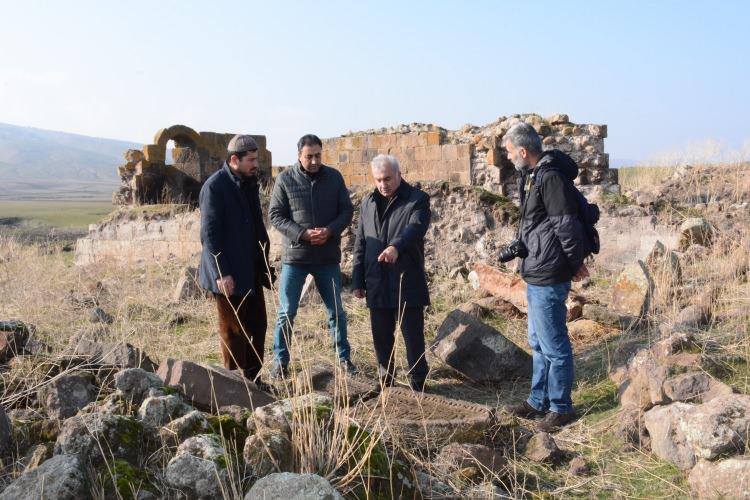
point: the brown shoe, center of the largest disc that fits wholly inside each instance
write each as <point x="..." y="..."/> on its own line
<point x="523" y="410"/>
<point x="553" y="421"/>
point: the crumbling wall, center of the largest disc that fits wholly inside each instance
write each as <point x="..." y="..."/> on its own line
<point x="141" y="237"/>
<point x="147" y="179"/>
<point x="472" y="155"/>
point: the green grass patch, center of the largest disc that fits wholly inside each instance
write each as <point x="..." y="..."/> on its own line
<point x="595" y="399"/>
<point x="58" y="214"/>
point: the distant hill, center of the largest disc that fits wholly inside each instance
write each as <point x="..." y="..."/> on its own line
<point x="36" y="164"/>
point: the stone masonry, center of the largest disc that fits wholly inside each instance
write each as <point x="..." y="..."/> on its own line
<point x="147" y="179"/>
<point x="471" y="155"/>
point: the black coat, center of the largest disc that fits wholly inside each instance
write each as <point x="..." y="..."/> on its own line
<point x="299" y="203"/>
<point x="550" y="224"/>
<point x="404" y="224"/>
<point x="232" y="229"/>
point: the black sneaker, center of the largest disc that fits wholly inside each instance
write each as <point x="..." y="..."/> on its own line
<point x="553" y="421"/>
<point x="523" y="410"/>
<point x="278" y="372"/>
<point x="347" y="366"/>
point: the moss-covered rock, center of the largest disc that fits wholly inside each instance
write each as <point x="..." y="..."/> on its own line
<point x="229" y="428"/>
<point x="91" y="435"/>
<point x="120" y="479"/>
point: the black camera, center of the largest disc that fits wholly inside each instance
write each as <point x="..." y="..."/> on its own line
<point x="515" y="248"/>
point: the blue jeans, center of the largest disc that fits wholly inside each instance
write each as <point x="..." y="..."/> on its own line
<point x="328" y="282"/>
<point x="552" y="374"/>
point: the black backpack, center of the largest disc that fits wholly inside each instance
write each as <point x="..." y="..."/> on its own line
<point x="588" y="213"/>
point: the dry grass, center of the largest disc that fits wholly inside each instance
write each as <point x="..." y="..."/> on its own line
<point x="47" y="291"/>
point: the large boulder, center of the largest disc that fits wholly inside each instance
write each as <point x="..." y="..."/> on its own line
<point x="136" y="384"/>
<point x="507" y="286"/>
<point x="211" y="387"/>
<point x="632" y="290"/>
<point x="268" y="451"/>
<point x="695" y="231"/>
<point x="290" y="486"/>
<point x="117" y="354"/>
<point x="726" y="479"/>
<point x="683" y="433"/>
<point x="99" y="437"/>
<point x="694" y="387"/>
<point x="281" y="414"/>
<point x="479" y="351"/>
<point x="62" y="477"/>
<point x="180" y="429"/>
<point x="199" y="468"/>
<point x="65" y="394"/>
<point x="157" y="411"/>
<point x="671" y="370"/>
<point x="664" y="263"/>
<point x="13" y="337"/>
<point x="542" y="448"/>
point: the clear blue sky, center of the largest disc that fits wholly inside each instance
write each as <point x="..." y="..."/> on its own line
<point x="661" y="74"/>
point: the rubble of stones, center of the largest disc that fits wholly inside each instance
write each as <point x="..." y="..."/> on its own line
<point x="103" y="416"/>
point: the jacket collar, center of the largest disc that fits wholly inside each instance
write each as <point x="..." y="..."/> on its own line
<point x="403" y="190"/>
<point x="232" y="176"/>
<point x="301" y="172"/>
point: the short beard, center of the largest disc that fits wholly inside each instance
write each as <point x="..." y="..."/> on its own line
<point x="521" y="165"/>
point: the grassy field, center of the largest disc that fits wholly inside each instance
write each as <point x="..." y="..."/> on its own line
<point x="58" y="214"/>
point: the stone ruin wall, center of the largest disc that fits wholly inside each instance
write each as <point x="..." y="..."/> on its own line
<point x="427" y="153"/>
<point x="148" y="179"/>
<point x="472" y="155"/>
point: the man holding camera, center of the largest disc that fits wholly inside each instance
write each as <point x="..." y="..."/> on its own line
<point x="552" y="249"/>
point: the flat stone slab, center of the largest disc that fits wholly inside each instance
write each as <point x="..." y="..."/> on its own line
<point x="339" y="386"/>
<point x="211" y="387"/>
<point x="424" y="417"/>
<point x="479" y="351"/>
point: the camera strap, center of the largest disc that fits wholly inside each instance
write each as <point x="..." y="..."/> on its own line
<point x="526" y="183"/>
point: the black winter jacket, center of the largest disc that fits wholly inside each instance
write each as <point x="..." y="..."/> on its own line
<point x="299" y="203"/>
<point x="550" y="226"/>
<point x="404" y="225"/>
<point x="232" y="230"/>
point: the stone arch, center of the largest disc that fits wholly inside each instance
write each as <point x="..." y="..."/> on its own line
<point x="183" y="137"/>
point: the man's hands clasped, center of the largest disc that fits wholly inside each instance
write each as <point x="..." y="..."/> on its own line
<point x="316" y="235"/>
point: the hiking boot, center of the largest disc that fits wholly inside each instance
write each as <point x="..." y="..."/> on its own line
<point x="523" y="410"/>
<point x="348" y="367"/>
<point x="553" y="421"/>
<point x="278" y="372"/>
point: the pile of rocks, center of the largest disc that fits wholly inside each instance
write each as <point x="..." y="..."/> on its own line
<point x="104" y="414"/>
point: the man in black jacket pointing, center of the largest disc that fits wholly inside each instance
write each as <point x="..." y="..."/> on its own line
<point x="389" y="267"/>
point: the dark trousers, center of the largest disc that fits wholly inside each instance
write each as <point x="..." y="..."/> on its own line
<point x="242" y="335"/>
<point x="383" y="322"/>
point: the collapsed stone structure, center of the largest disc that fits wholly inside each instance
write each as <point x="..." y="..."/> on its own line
<point x="471" y="155"/>
<point x="147" y="178"/>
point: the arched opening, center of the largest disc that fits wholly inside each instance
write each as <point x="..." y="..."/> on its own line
<point x="169" y="153"/>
